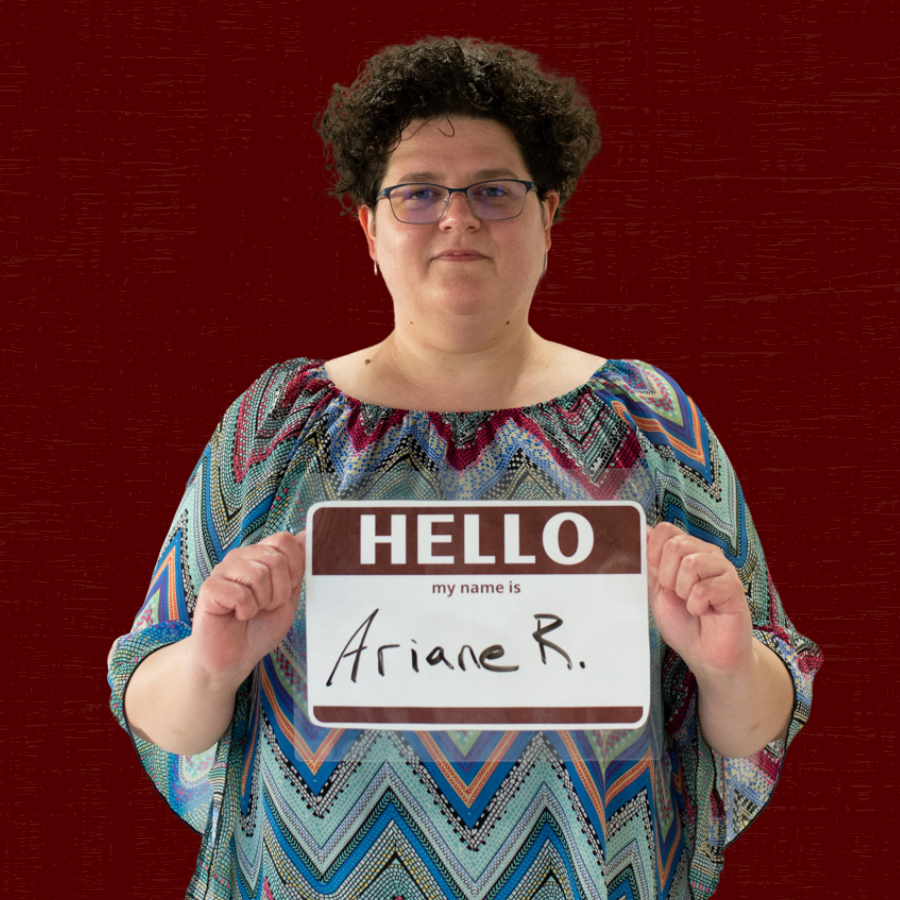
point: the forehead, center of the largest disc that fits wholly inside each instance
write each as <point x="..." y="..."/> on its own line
<point x="439" y="148"/>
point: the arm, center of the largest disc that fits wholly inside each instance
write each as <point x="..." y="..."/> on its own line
<point x="226" y="506"/>
<point x="743" y="710"/>
<point x="182" y="697"/>
<point x="745" y="692"/>
<point x="698" y="492"/>
<point x="171" y="704"/>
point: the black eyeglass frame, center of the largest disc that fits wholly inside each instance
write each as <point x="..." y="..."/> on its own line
<point x="385" y="193"/>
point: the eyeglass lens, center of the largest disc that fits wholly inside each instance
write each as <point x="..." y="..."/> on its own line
<point x="423" y="203"/>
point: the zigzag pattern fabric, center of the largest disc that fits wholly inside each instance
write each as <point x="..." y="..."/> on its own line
<point x="290" y="810"/>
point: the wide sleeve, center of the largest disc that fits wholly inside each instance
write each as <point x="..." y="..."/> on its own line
<point x="225" y="505"/>
<point x="698" y="491"/>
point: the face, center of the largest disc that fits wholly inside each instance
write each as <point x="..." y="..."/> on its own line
<point x="430" y="284"/>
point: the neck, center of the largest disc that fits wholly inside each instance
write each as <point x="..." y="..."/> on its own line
<point x="461" y="374"/>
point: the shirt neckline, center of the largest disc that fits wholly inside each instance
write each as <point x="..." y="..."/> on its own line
<point x="383" y="410"/>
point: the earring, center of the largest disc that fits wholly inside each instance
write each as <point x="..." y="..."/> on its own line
<point x="546" y="255"/>
<point x="376" y="266"/>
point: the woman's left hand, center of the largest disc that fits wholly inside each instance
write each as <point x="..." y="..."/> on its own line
<point x="698" y="602"/>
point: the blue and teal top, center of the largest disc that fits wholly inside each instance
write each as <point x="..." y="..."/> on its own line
<point x="290" y="810"/>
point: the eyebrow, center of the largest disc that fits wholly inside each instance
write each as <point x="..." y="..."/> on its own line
<point x="481" y="174"/>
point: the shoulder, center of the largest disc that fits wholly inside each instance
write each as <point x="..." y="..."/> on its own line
<point x="257" y="435"/>
<point x="644" y="388"/>
<point x="280" y="387"/>
<point x="286" y="377"/>
<point x="654" y="404"/>
<point x="279" y="402"/>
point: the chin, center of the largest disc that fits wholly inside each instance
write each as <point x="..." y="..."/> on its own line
<point x="468" y="292"/>
<point x="480" y="308"/>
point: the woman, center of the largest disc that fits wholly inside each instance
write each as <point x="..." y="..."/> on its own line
<point x="459" y="157"/>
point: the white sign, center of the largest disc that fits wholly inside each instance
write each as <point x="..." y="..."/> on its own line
<point x="477" y="615"/>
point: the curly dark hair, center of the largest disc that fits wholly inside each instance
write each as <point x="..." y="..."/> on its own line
<point x="549" y="116"/>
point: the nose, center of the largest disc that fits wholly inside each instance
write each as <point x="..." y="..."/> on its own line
<point x="458" y="214"/>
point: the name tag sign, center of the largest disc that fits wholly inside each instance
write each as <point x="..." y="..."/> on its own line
<point x="477" y="615"/>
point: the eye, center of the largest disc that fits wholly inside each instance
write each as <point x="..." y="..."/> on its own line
<point x="419" y="194"/>
<point x="492" y="191"/>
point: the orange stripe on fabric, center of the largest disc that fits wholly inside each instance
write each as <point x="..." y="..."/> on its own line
<point x="586" y="778"/>
<point x="467" y="792"/>
<point x="666" y="867"/>
<point x="313" y="761"/>
<point x="167" y="568"/>
<point x="695" y="452"/>
<point x="627" y="779"/>
<point x="632" y="775"/>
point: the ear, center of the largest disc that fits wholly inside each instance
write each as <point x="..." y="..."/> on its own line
<point x="549" y="205"/>
<point x="367" y="222"/>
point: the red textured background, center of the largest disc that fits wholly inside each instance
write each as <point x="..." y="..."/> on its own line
<point x="165" y="240"/>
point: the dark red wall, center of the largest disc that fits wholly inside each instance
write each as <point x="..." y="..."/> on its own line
<point x="166" y="239"/>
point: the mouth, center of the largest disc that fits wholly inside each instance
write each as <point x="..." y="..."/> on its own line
<point x="460" y="256"/>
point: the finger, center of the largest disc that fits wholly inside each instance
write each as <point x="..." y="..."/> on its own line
<point x="298" y="562"/>
<point x="675" y="623"/>
<point x="301" y="543"/>
<point x="698" y="599"/>
<point x="254" y="572"/>
<point x="673" y="550"/>
<point x="657" y="596"/>
<point x="657" y="538"/>
<point x="723" y="593"/>
<point x="272" y="569"/>
<point x="293" y="548"/>
<point x="222" y="597"/>
<point x="283" y="585"/>
<point x="696" y="567"/>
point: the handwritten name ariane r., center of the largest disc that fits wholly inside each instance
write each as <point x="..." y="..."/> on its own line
<point x="487" y="658"/>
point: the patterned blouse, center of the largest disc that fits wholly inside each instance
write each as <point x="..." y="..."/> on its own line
<point x="290" y="810"/>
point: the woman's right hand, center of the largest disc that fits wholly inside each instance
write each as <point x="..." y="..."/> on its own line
<point x="246" y="607"/>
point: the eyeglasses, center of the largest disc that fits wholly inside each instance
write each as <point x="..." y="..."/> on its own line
<point x="424" y="204"/>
